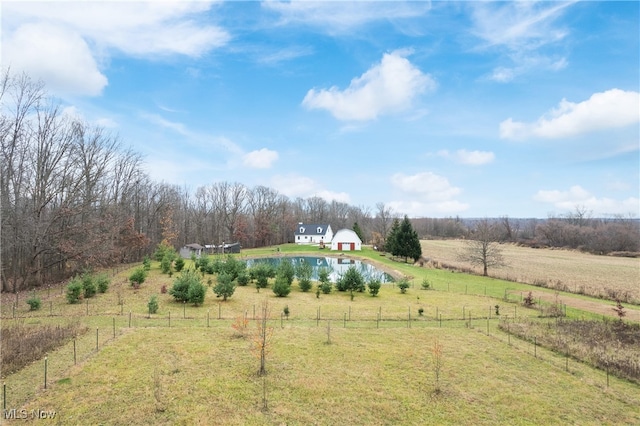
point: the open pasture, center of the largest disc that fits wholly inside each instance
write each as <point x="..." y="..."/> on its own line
<point x="188" y="375"/>
<point x="565" y="270"/>
<point x="187" y="365"/>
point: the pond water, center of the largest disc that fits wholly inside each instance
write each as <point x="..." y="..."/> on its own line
<point x="336" y="266"/>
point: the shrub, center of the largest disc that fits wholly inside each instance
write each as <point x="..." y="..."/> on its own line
<point x="426" y="284"/>
<point x="420" y="311"/>
<point x="286" y="311"/>
<point x="528" y="301"/>
<point x="138" y="276"/>
<point x="232" y="267"/>
<point x="403" y="285"/>
<point x="164" y="249"/>
<point x="353" y="280"/>
<point x="243" y="278"/>
<point x="179" y="264"/>
<point x="163" y="289"/>
<point x="146" y="263"/>
<point x="180" y="288"/>
<point x="305" y="284"/>
<point x="224" y="287"/>
<point x="74" y="290"/>
<point x="304" y="272"/>
<point x="281" y="287"/>
<point x="325" y="284"/>
<point x="374" y="287"/>
<point x="102" y="281"/>
<point x="165" y="264"/>
<point x="326" y="287"/>
<point x="286" y="270"/>
<point x="196" y="293"/>
<point x="261" y="272"/>
<point x="34" y="302"/>
<point x="153" y="304"/>
<point x="88" y="286"/>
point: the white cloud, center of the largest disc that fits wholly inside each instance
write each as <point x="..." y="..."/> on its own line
<point x="428" y="185"/>
<point x="519" y="29"/>
<point x="578" y="196"/>
<point x="338" y="17"/>
<point x="605" y="110"/>
<point x="426" y="194"/>
<point x="520" y="25"/>
<point x="260" y="159"/>
<point x="58" y="56"/>
<point x="294" y="185"/>
<point x="472" y="158"/>
<point x="387" y="87"/>
<point x="65" y="43"/>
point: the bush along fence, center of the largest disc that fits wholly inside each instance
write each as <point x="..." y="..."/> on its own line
<point x="46" y="371"/>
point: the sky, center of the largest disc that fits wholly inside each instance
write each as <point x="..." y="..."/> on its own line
<point x="436" y="109"/>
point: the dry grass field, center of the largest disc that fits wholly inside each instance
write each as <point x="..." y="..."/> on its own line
<point x="187" y="365"/>
<point x="566" y="270"/>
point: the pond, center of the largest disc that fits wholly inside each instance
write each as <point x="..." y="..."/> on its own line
<point x="336" y="266"/>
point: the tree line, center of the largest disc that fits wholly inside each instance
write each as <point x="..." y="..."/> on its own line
<point x="73" y="197"/>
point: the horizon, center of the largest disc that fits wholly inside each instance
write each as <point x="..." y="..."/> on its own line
<point x="529" y="110"/>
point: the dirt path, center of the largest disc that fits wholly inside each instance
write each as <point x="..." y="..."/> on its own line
<point x="600" y="308"/>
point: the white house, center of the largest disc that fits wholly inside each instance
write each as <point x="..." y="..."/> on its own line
<point x="346" y="240"/>
<point x="311" y="233"/>
<point x="190" y="249"/>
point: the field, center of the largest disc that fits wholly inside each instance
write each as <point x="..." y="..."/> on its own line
<point x="566" y="270"/>
<point x="332" y="361"/>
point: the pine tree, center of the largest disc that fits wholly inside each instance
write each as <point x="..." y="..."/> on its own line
<point x="405" y="241"/>
<point x="392" y="238"/>
<point x="358" y="231"/>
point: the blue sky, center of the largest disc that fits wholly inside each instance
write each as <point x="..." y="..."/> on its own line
<point x="436" y="109"/>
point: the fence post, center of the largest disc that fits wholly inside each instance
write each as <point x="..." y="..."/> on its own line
<point x="46" y="361"/>
<point x="219" y="308"/>
<point x="345" y="320"/>
<point x="97" y="338"/>
<point x="4" y="396"/>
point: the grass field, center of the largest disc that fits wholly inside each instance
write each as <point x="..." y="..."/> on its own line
<point x="187" y="365"/>
<point x="567" y="270"/>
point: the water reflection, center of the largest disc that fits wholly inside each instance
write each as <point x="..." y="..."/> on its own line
<point x="336" y="266"/>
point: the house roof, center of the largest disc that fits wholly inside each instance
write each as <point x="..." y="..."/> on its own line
<point x="194" y="246"/>
<point x="346" y="235"/>
<point x="312" y="229"/>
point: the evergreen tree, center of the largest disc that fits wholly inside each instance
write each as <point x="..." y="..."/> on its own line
<point x="405" y="241"/>
<point x="358" y="231"/>
<point x="391" y="241"/>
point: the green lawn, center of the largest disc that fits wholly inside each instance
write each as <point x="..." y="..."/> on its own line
<point x="186" y="365"/>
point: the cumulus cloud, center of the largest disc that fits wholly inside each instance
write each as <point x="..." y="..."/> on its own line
<point x="389" y="86"/>
<point x="260" y="159"/>
<point x="426" y="193"/>
<point x="66" y="43"/>
<point x="58" y="56"/>
<point x="578" y="196"/>
<point x="294" y="185"/>
<point x="472" y="158"/>
<point x="605" y="110"/>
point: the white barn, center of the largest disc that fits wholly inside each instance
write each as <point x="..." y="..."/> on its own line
<point x="346" y="240"/>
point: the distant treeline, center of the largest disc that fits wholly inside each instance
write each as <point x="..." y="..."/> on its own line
<point x="73" y="198"/>
<point x="576" y="230"/>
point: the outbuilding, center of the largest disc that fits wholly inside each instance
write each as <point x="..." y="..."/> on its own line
<point x="346" y="240"/>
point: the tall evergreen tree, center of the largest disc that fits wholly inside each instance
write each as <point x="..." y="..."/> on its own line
<point x="405" y="241"/>
<point x="358" y="231"/>
<point x="391" y="241"/>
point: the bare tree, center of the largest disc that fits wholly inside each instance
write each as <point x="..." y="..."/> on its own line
<point x="482" y="248"/>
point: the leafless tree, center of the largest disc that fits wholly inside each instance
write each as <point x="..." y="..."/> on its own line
<point x="482" y="247"/>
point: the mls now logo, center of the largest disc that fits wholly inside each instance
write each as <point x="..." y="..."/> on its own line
<point x="15" y="414"/>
